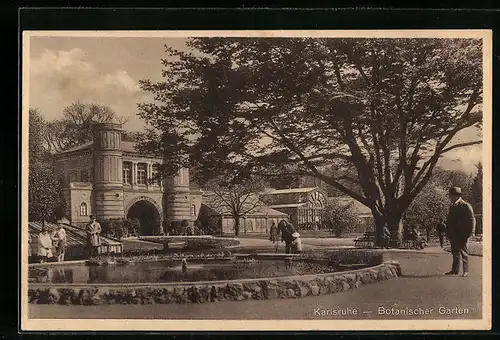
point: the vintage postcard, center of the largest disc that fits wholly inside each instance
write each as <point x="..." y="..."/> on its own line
<point x="256" y="180"/>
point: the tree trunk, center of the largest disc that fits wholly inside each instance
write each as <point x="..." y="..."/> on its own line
<point x="380" y="222"/>
<point x="394" y="223"/>
<point x="395" y="226"/>
<point x="236" y="226"/>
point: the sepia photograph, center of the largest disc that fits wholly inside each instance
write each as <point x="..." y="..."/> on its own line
<point x="256" y="180"/>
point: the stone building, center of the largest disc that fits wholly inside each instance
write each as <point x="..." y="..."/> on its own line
<point x="304" y="206"/>
<point x="109" y="178"/>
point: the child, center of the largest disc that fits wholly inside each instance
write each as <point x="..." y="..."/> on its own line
<point x="60" y="240"/>
<point x="296" y="243"/>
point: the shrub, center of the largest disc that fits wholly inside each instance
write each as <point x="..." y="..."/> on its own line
<point x="209" y="225"/>
<point x="118" y="227"/>
<point x="427" y="210"/>
<point x="202" y="244"/>
<point x="132" y="226"/>
<point x="340" y="218"/>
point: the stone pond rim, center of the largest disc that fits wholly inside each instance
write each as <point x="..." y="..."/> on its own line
<point x="211" y="291"/>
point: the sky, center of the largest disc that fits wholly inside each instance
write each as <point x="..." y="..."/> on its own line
<point x="107" y="71"/>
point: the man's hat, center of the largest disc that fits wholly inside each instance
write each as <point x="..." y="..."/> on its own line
<point x="295" y="235"/>
<point x="455" y="191"/>
<point x="92" y="216"/>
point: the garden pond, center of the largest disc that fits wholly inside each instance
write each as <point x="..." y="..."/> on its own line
<point x="167" y="271"/>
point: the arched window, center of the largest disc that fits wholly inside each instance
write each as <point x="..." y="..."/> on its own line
<point x="72" y="176"/>
<point x="193" y="210"/>
<point x="83" y="209"/>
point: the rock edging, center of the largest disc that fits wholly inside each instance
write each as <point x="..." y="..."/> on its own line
<point x="203" y="292"/>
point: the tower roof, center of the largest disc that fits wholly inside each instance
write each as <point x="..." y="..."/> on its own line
<point x="126" y="146"/>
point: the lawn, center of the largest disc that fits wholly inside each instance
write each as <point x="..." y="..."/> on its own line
<point x="475" y="248"/>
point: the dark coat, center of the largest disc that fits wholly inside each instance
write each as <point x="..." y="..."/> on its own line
<point x="441" y="228"/>
<point x="286" y="230"/>
<point x="461" y="221"/>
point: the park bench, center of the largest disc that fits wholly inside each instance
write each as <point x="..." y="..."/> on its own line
<point x="366" y="241"/>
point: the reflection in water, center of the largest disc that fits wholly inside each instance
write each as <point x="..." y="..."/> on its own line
<point x="171" y="271"/>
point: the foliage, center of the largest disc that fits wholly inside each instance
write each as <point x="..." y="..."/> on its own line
<point x="75" y="128"/>
<point x="345" y="256"/>
<point x="428" y="209"/>
<point x="207" y="223"/>
<point x="446" y="178"/>
<point x="380" y="111"/>
<point x="206" y="243"/>
<point x="476" y="191"/>
<point x="119" y="227"/>
<point x="340" y="218"/>
<point x="132" y="226"/>
<point x="45" y="196"/>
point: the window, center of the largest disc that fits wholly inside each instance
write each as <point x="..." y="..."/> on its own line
<point x="84" y="176"/>
<point x="193" y="210"/>
<point x="83" y="209"/>
<point x="72" y="176"/>
<point x="127" y="172"/>
<point x="156" y="174"/>
<point x="141" y="173"/>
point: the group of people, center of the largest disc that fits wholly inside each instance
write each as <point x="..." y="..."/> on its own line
<point x="52" y="244"/>
<point x="293" y="244"/>
<point x="48" y="241"/>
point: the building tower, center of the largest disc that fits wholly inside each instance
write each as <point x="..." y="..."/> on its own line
<point x="178" y="201"/>
<point x="108" y="182"/>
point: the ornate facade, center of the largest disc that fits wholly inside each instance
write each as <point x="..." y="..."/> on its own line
<point x="109" y="178"/>
<point x="303" y="205"/>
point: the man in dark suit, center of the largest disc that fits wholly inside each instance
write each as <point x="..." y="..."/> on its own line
<point x="460" y="225"/>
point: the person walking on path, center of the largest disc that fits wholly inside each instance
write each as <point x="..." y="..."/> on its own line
<point x="93" y="236"/>
<point x="44" y="245"/>
<point x="460" y="225"/>
<point x="287" y="230"/>
<point x="441" y="231"/>
<point x="273" y="233"/>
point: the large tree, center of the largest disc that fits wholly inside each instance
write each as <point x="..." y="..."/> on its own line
<point x="234" y="198"/>
<point x="75" y="128"/>
<point x="45" y="198"/>
<point x="381" y="111"/>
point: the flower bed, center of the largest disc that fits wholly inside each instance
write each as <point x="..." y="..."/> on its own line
<point x="193" y="243"/>
<point x="256" y="289"/>
<point x="155" y="256"/>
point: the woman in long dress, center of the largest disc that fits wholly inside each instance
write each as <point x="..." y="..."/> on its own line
<point x="44" y="245"/>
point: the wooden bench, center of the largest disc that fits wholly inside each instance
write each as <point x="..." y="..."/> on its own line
<point x="367" y="240"/>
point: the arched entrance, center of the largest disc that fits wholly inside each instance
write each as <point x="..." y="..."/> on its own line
<point x="148" y="214"/>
